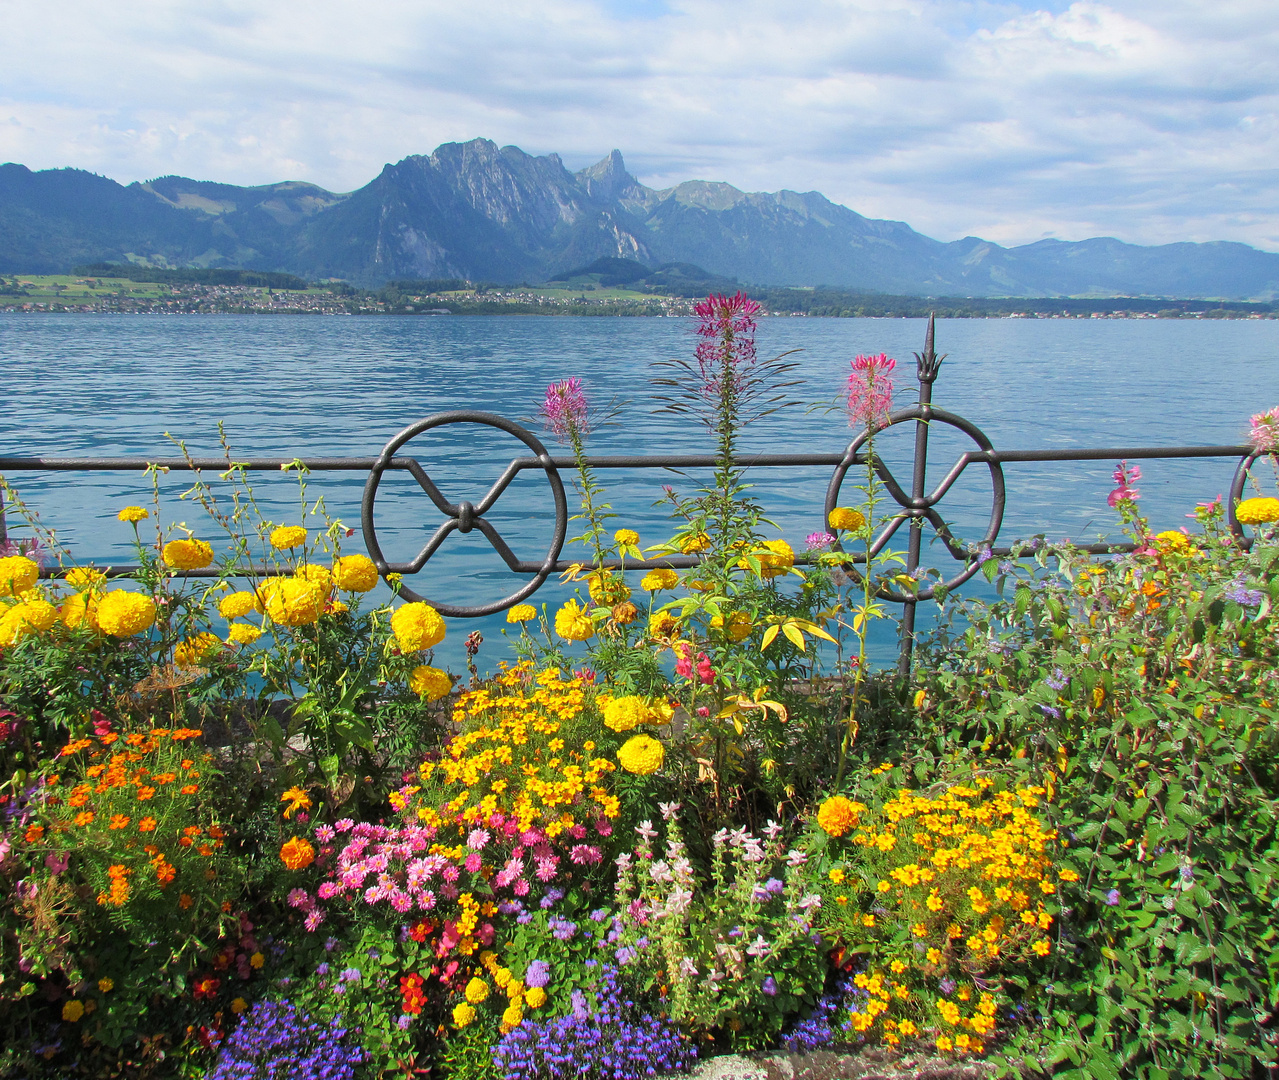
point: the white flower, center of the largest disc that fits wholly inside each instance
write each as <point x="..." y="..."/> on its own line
<point x="687" y="967"/>
<point x="738" y="837"/>
<point x="795" y="858"/>
<point x="623" y="862"/>
<point x="646" y="830"/>
<point x="811" y="901"/>
<point x="719" y="838"/>
<point x="659" y="871"/>
<point x="677" y="903"/>
<point x="772" y="830"/>
<point x="752" y="850"/>
<point x="668" y="809"/>
<point x="759" y="947"/>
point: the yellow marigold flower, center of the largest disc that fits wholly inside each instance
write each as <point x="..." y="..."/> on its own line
<point x="82" y="577"/>
<point x="944" y="1044"/>
<point x="657" y="580"/>
<point x="187" y="554"/>
<point x="521" y="613"/>
<point x="626" y="537"/>
<point x="739" y="625"/>
<point x="463" y="1014"/>
<point x="80" y="610"/>
<point x="837" y="815"/>
<point x="837" y="876"/>
<point x="106" y="985"/>
<point x="27" y="617"/>
<point x="257" y="960"/>
<point x="641" y="755"/>
<point x="695" y="544"/>
<point x="535" y="997"/>
<point x="354" y="573"/>
<point x="572" y="623"/>
<point x="292" y="601"/>
<point x="17" y="575"/>
<point x="477" y="990"/>
<point x="72" y="1011"/>
<point x="513" y="1015"/>
<point x="319" y="576"/>
<point x="123" y="614"/>
<point x="297" y="799"/>
<point x="884" y="886"/>
<point x="190" y="652"/>
<point x="285" y="537"/>
<point x="775" y="558"/>
<point x="845" y="518"/>
<point x="417" y="626"/>
<point x="1257" y="511"/>
<point x="662" y="624"/>
<point x="243" y="634"/>
<point x="238" y="1005"/>
<point x="239" y="604"/>
<point x="297" y="854"/>
<point x="430" y="683"/>
<point x="626" y="713"/>
<point x="933" y="956"/>
<point x="1041" y="947"/>
<point x="132" y="514"/>
<point x="607" y="588"/>
<point x="868" y="920"/>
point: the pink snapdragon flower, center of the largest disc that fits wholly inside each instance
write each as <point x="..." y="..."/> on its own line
<point x="1125" y="476"/>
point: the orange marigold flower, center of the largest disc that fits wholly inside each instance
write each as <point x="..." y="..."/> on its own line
<point x="837" y="815"/>
<point x="297" y="853"/>
<point x="119" y="821"/>
<point x="145" y="793"/>
<point x="147" y="824"/>
<point x="84" y="817"/>
<point x="33" y="833"/>
<point x="185" y="901"/>
<point x="190" y="789"/>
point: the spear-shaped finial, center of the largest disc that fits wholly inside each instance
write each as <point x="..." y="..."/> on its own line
<point x="928" y="361"/>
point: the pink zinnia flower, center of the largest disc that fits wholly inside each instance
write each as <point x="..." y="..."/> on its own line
<point x="327" y="891"/>
<point x="477" y="839"/>
<point x="324" y="833"/>
<point x="473" y="862"/>
<point x="520" y="888"/>
<point x="870" y="390"/>
<point x="585" y="854"/>
<point x="604" y="827"/>
<point x="546" y="868"/>
<point x="313" y="919"/>
<point x="299" y="898"/>
<point x="565" y="410"/>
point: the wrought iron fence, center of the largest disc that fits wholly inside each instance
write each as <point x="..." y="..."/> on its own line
<point x="917" y="503"/>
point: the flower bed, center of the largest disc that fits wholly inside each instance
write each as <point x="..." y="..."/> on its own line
<point x="683" y="818"/>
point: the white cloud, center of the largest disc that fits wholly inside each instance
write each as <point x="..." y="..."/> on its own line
<point x="1152" y="120"/>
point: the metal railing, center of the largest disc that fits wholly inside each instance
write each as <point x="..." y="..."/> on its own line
<point x="917" y="504"/>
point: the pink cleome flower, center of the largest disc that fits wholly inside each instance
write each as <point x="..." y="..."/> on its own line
<point x="870" y="390"/>
<point x="565" y="410"/>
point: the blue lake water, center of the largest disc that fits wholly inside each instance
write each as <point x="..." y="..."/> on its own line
<point x="305" y="386"/>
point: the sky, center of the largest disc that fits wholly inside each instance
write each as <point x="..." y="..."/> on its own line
<point x="1151" y="120"/>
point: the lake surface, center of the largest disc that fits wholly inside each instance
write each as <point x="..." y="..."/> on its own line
<point x="306" y="386"/>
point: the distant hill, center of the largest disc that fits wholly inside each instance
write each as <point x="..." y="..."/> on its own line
<point x="479" y="212"/>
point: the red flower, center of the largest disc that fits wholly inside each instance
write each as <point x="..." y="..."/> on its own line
<point x="206" y="987"/>
<point x="411" y="992"/>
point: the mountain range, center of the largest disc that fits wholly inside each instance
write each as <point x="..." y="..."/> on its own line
<point x="486" y="213"/>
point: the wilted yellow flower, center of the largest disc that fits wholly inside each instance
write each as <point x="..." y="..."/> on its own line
<point x="430" y="683"/>
<point x="641" y="755"/>
<point x="739" y="625"/>
<point x="243" y="634"/>
<point x="80" y="610"/>
<point x="607" y="588"/>
<point x="84" y="577"/>
<point x="17" y="575"/>
<point x="417" y="626"/>
<point x="521" y="613"/>
<point x="190" y="652"/>
<point x="238" y="1005"/>
<point x="297" y="799"/>
<point x="842" y="517"/>
<point x="662" y="624"/>
<point x="572" y="624"/>
<point x="354" y="573"/>
<point x="284" y="537"/>
<point x="133" y="514"/>
<point x="319" y="576"/>
<point x="656" y="580"/>
<point x="239" y="604"/>
<point x="187" y="554"/>
<point x="625" y="613"/>
<point x="292" y="601"/>
<point x="123" y="614"/>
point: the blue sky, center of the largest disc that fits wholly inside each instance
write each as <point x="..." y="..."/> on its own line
<point x="1150" y="120"/>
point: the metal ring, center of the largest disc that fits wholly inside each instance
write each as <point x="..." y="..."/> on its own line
<point x="1236" y="492"/>
<point x="464" y="516"/>
<point x="927" y="413"/>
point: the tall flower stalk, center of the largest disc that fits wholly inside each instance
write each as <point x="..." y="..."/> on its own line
<point x="870" y="402"/>
<point x="567" y="416"/>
